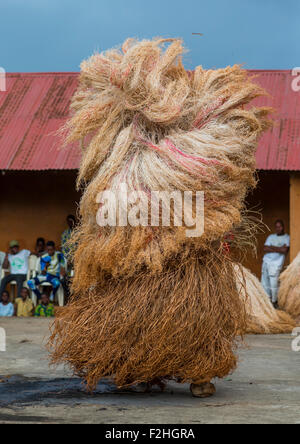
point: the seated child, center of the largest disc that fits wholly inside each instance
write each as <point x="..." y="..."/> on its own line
<point x="45" y="309"/>
<point x="23" y="305"/>
<point x="6" y="307"/>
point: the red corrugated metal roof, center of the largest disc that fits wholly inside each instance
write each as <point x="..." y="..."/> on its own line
<point x="32" y="110"/>
<point x="279" y="148"/>
<point x="36" y="105"/>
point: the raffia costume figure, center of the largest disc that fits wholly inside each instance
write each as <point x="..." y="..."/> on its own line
<point x="149" y="302"/>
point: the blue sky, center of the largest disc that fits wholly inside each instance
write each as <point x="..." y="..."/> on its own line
<point x="55" y="35"/>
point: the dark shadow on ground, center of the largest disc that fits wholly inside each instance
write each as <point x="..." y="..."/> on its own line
<point x="17" y="390"/>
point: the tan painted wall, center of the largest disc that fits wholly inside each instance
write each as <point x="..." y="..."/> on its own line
<point x="271" y="198"/>
<point x="295" y="214"/>
<point x="34" y="204"/>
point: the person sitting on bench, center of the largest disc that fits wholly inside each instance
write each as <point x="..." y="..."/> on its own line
<point x="17" y="260"/>
<point x="52" y="266"/>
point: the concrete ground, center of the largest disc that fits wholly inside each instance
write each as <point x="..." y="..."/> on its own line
<point x="264" y="389"/>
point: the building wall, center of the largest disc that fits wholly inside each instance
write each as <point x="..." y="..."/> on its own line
<point x="295" y="214"/>
<point x="272" y="199"/>
<point x="35" y="204"/>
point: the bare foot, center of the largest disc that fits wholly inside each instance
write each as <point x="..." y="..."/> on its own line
<point x="205" y="390"/>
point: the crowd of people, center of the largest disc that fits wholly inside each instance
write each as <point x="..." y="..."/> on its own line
<point x="52" y="267"/>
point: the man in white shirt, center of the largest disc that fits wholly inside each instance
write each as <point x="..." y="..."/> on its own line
<point x="276" y="248"/>
<point x="17" y="261"/>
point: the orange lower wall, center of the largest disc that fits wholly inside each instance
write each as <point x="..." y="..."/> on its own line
<point x="35" y="204"/>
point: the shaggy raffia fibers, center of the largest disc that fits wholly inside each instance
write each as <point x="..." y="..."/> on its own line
<point x="138" y="329"/>
<point x="149" y="301"/>
<point x="289" y="290"/>
<point x="262" y="317"/>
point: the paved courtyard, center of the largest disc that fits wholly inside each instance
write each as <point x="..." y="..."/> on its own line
<point x="264" y="389"/>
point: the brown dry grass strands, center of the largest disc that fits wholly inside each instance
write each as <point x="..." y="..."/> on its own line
<point x="289" y="290"/>
<point x="262" y="317"/>
<point x="149" y="302"/>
